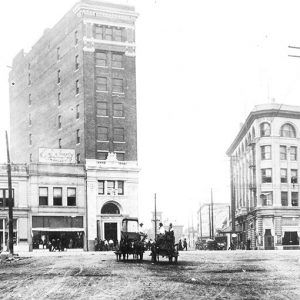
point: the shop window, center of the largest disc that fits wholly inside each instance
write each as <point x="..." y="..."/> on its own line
<point x="71" y="196"/>
<point x="43" y="196"/>
<point x="101" y="187"/>
<point x="284" y="198"/>
<point x="295" y="201"/>
<point x="57" y="196"/>
<point x="266" y="175"/>
<point x="283" y="175"/>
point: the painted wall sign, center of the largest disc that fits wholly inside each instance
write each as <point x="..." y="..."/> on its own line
<point x="61" y="156"/>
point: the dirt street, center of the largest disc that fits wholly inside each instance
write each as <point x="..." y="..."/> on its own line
<point x="198" y="275"/>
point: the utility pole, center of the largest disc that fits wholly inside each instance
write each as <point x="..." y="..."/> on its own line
<point x="10" y="204"/>
<point x="209" y="220"/>
<point x="155" y="219"/>
<point x="212" y="215"/>
<point x="200" y="218"/>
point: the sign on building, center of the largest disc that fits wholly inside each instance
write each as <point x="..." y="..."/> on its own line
<point x="61" y="156"/>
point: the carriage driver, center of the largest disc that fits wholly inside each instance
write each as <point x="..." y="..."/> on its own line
<point x="161" y="229"/>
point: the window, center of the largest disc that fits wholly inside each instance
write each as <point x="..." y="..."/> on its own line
<point x="117" y="60"/>
<point x="29" y="79"/>
<point x="110" y="187"/>
<point x="118" y="34"/>
<point x="102" y="155"/>
<point x="29" y="119"/>
<point x="284" y="199"/>
<point x="78" y="158"/>
<point x="29" y="99"/>
<point x="102" y="133"/>
<point x="265" y="152"/>
<point x="266" y="175"/>
<point x="100" y="187"/>
<point x="101" y="84"/>
<point x="283" y="175"/>
<point x="76" y="62"/>
<point x="30" y="157"/>
<point x="59" y="99"/>
<point x="59" y="143"/>
<point x="77" y="87"/>
<point x="4" y="198"/>
<point x="71" y="196"/>
<point x="101" y="59"/>
<point x="76" y="37"/>
<point x="58" y="77"/>
<point x="121" y="156"/>
<point x="267" y="198"/>
<point x="287" y="130"/>
<point x="265" y="129"/>
<point x="43" y="196"/>
<point x="30" y="139"/>
<point x="117" y="85"/>
<point x="57" y="196"/>
<point x="59" y="122"/>
<point x="293" y="153"/>
<point x="118" y="134"/>
<point x="295" y="199"/>
<point x="102" y="109"/>
<point x="110" y="208"/>
<point x="77" y="111"/>
<point x="294" y="176"/>
<point x="108" y="33"/>
<point x="57" y="53"/>
<point x="99" y="32"/>
<point x="118" y="110"/>
<point x="77" y="136"/>
<point x="283" y="155"/>
<point x="120" y="187"/>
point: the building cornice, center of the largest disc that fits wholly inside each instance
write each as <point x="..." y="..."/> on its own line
<point x="264" y="113"/>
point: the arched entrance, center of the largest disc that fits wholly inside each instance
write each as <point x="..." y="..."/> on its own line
<point x="110" y="226"/>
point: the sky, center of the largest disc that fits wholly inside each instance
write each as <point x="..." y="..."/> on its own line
<point x="201" y="68"/>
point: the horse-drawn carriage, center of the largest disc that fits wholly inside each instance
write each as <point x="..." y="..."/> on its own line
<point x="165" y="246"/>
<point x="132" y="241"/>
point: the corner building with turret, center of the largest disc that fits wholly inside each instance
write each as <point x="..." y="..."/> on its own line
<point x="76" y="89"/>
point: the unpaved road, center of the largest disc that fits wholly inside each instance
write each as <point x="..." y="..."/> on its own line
<point x="198" y="275"/>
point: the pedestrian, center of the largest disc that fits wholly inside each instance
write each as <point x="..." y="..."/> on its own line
<point x="105" y="245"/>
<point x="180" y="245"/>
<point x="248" y="244"/>
<point x="111" y="244"/>
<point x="185" y="244"/>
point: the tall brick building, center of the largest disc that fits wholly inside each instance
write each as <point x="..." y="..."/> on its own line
<point x="76" y="87"/>
<point x="76" y="90"/>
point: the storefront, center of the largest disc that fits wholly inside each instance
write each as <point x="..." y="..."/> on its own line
<point x="4" y="233"/>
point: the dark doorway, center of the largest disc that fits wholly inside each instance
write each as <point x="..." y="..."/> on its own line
<point x="269" y="240"/>
<point x="111" y="231"/>
<point x="290" y="238"/>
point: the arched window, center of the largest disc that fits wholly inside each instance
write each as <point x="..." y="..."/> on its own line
<point x="110" y="208"/>
<point x="287" y="130"/>
<point x="265" y="129"/>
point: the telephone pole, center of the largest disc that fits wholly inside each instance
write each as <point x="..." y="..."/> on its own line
<point x="155" y="218"/>
<point x="10" y="204"/>
<point x="212" y="215"/>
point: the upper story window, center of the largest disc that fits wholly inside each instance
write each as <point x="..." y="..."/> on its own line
<point x="102" y="109"/>
<point x="108" y="33"/>
<point x="284" y="198"/>
<point x="101" y="155"/>
<point x="77" y="87"/>
<point x="283" y="175"/>
<point x="76" y="38"/>
<point x="294" y="176"/>
<point x="59" y="99"/>
<point x="121" y="156"/>
<point x="293" y="153"/>
<point x="267" y="198"/>
<point x="78" y="158"/>
<point x="102" y="134"/>
<point x="266" y="175"/>
<point x="58" y="77"/>
<point x="78" y="136"/>
<point x="117" y="34"/>
<point x="58" y="53"/>
<point x="4" y="198"/>
<point x="117" y="60"/>
<point x="265" y="129"/>
<point x="117" y="85"/>
<point x="101" y="59"/>
<point x="118" y="110"/>
<point x="287" y="130"/>
<point x="29" y="120"/>
<point x="295" y="199"/>
<point x="119" y="134"/>
<point x="71" y="196"/>
<point x="77" y="111"/>
<point x="30" y="139"/>
<point x="110" y="187"/>
<point x="283" y="152"/>
<point x="101" y="84"/>
<point x="101" y="187"/>
<point x="265" y="152"/>
<point x="59" y="143"/>
<point x="43" y="196"/>
<point x="57" y="196"/>
<point x="76" y="62"/>
<point x="59" y="122"/>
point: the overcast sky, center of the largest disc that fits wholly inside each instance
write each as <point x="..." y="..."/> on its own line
<point x="201" y="67"/>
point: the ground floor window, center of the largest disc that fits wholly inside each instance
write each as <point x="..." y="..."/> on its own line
<point x="4" y="233"/>
<point x="290" y="238"/>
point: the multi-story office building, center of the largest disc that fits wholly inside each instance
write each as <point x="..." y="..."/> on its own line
<point x="264" y="177"/>
<point x="76" y="89"/>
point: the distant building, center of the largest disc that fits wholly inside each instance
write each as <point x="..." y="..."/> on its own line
<point x="265" y="178"/>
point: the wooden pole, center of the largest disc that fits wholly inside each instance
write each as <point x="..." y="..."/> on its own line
<point x="155" y="218"/>
<point x="212" y="215"/>
<point x="10" y="204"/>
